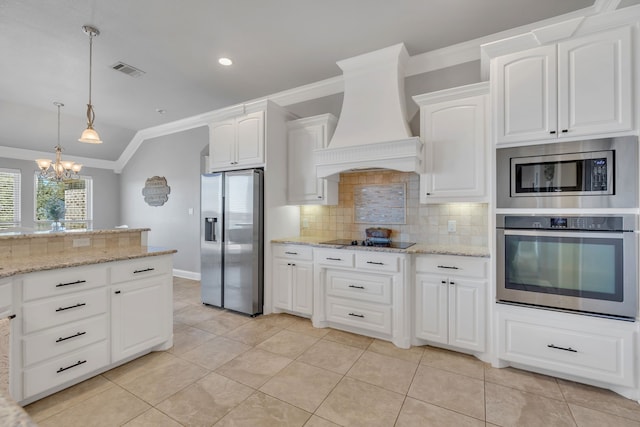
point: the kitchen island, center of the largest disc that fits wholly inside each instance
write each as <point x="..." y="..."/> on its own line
<point x="81" y="303"/>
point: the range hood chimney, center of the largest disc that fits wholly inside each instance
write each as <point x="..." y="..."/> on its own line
<point x="372" y="130"/>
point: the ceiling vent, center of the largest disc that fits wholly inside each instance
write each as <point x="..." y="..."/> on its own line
<point x="127" y="69"/>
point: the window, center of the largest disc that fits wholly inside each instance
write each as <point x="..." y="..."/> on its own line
<point x="9" y="198"/>
<point x="66" y="202"/>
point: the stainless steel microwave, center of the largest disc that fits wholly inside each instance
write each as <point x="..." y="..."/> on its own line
<point x="600" y="173"/>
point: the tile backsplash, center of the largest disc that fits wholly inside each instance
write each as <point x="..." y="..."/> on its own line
<point x="424" y="223"/>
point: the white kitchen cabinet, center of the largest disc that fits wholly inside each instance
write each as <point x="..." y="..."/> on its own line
<point x="305" y="136"/>
<point x="363" y="292"/>
<point x="237" y="143"/>
<point x="574" y="345"/>
<point x="453" y="126"/>
<point x="6" y="298"/>
<point x="579" y="87"/>
<point x="451" y="301"/>
<point x="138" y="315"/>
<point x="75" y="322"/>
<point x="293" y="278"/>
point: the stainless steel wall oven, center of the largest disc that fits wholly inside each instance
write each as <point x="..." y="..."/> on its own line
<point x="579" y="263"/>
<point x="599" y="173"/>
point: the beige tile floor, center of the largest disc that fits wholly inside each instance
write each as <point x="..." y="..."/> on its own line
<point x="230" y="370"/>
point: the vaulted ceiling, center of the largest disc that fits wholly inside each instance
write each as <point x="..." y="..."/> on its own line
<point x="275" y="45"/>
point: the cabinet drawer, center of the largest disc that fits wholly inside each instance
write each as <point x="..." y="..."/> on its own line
<point x="300" y="252"/>
<point x="452" y="265"/>
<point x="6" y="299"/>
<point x="63" y="339"/>
<point x="603" y="355"/>
<point x="64" y="309"/>
<point x="335" y="257"/>
<point x="359" y="286"/>
<point x="123" y="271"/>
<point x="378" y="261"/>
<point x="376" y="318"/>
<point x="65" y="368"/>
<point x="62" y="281"/>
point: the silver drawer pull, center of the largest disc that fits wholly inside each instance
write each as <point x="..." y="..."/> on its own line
<point x="357" y="315"/>
<point x="374" y="262"/>
<point x="80" y="362"/>
<point x="77" y="282"/>
<point x="356" y="287"/>
<point x="562" y="348"/>
<point x="449" y="267"/>
<point x="291" y="253"/>
<point x="70" y="336"/>
<point x="71" y="306"/>
<point x="334" y="259"/>
<point x="143" y="270"/>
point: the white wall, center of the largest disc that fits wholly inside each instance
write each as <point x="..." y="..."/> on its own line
<point x="106" y="193"/>
<point x="177" y="158"/>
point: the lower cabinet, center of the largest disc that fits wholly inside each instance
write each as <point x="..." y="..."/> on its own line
<point x="592" y="348"/>
<point x="73" y="323"/>
<point x="293" y="278"/>
<point x="142" y="303"/>
<point x="363" y="292"/>
<point x="451" y="301"/>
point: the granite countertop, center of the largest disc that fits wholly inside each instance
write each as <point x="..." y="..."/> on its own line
<point x="419" y="248"/>
<point x="5" y="235"/>
<point x="63" y="260"/>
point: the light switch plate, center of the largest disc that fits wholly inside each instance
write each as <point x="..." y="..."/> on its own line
<point x="451" y="226"/>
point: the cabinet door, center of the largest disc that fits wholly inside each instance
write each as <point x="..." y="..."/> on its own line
<point x="282" y="297"/>
<point x="431" y="308"/>
<point x="250" y="139"/>
<point x="302" y="284"/>
<point x="140" y="315"/>
<point x="525" y="95"/>
<point x="303" y="186"/>
<point x="222" y="145"/>
<point x="594" y="83"/>
<point x="455" y="149"/>
<point x="467" y="314"/>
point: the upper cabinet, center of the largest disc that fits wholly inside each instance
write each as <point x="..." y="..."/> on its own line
<point x="237" y="143"/>
<point x="575" y="88"/>
<point x="453" y="126"/>
<point x="305" y="136"/>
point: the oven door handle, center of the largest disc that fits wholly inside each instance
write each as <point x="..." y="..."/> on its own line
<point x="574" y="234"/>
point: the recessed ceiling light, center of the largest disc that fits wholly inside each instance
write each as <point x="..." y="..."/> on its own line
<point x="225" y="61"/>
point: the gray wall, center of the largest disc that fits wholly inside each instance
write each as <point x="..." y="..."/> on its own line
<point x="177" y="158"/>
<point x="106" y="192"/>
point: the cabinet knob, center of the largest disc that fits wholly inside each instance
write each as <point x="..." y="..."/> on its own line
<point x="452" y="283"/>
<point x="117" y="292"/>
<point x="320" y="197"/>
<point x="565" y="130"/>
<point x="444" y="281"/>
<point x="428" y="194"/>
<point x="552" y="132"/>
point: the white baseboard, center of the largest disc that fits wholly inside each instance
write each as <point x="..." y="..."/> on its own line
<point x="186" y="274"/>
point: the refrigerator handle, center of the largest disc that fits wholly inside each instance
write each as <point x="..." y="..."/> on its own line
<point x="210" y="229"/>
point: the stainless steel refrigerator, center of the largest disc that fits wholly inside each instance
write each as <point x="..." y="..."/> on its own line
<point x="231" y="242"/>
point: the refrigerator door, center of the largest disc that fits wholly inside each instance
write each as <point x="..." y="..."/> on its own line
<point x="211" y="226"/>
<point x="243" y="245"/>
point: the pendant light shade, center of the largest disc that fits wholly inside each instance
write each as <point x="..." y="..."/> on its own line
<point x="89" y="135"/>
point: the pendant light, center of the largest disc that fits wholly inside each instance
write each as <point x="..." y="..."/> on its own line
<point x="59" y="170"/>
<point x="89" y="135"/>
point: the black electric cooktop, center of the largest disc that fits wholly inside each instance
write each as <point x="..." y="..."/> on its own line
<point x="347" y="242"/>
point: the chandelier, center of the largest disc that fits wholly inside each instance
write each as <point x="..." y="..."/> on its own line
<point x="59" y="170"/>
<point x="89" y="135"/>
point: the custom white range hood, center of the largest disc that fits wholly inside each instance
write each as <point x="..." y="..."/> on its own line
<point x="372" y="130"/>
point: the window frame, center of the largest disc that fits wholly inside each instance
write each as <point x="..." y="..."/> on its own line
<point x="17" y="199"/>
<point x="43" y="223"/>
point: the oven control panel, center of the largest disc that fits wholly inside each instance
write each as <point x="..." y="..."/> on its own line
<point x="588" y="223"/>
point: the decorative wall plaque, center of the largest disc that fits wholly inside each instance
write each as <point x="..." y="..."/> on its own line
<point x="156" y="191"/>
<point x="380" y="204"/>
